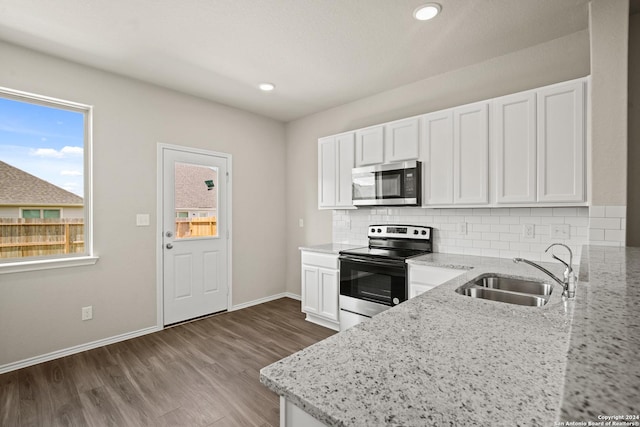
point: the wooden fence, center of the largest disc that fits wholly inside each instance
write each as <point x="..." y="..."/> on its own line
<point x="21" y="238"/>
<point x="196" y="227"/>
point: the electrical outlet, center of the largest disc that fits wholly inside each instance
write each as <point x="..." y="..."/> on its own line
<point x="528" y="231"/>
<point x="87" y="312"/>
<point x="462" y="228"/>
<point x="560" y="231"/>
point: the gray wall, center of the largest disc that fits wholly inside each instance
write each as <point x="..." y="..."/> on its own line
<point x="633" y="183"/>
<point x="608" y="26"/>
<point x="40" y="311"/>
<point x="561" y="59"/>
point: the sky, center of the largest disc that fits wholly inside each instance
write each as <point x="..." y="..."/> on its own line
<point x="44" y="141"/>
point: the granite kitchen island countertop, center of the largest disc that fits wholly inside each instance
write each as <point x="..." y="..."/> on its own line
<point x="446" y="359"/>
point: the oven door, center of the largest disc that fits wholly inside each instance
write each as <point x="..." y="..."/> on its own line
<point x="391" y="184"/>
<point x="375" y="280"/>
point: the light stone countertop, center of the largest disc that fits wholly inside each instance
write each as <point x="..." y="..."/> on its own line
<point x="438" y="358"/>
<point x="603" y="367"/>
<point x="330" y="248"/>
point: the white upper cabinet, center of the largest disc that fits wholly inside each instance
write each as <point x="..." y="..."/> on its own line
<point x="327" y="166"/>
<point x="402" y="140"/>
<point x="437" y="157"/>
<point x="335" y="161"/>
<point x="471" y="154"/>
<point x="527" y="148"/>
<point x="514" y="141"/>
<point x="539" y="142"/>
<point x="561" y="143"/>
<point x="370" y="146"/>
<point x="346" y="162"/>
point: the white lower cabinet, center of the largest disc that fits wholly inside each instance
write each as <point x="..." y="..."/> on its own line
<point x="423" y="277"/>
<point x="320" y="280"/>
<point x="292" y="416"/>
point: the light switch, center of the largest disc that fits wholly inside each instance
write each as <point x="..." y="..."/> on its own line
<point x="142" y="220"/>
<point x="300" y="222"/>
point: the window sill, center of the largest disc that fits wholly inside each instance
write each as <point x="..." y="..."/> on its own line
<point x="17" y="267"/>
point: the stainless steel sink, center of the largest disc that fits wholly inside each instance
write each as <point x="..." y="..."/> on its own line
<point x="515" y="285"/>
<point x="508" y="289"/>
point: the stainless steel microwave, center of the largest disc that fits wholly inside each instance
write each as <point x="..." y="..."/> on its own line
<point x="392" y="184"/>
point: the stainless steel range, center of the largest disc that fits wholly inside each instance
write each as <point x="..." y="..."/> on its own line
<point x="374" y="278"/>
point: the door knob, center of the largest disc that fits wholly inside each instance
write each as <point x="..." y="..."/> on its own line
<point x="169" y="246"/>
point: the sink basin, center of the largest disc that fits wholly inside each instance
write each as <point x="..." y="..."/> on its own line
<point x="508" y="290"/>
<point x="508" y="297"/>
<point x="514" y="285"/>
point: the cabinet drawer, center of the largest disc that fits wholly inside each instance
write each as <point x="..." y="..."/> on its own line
<point x="320" y="260"/>
<point x="432" y="276"/>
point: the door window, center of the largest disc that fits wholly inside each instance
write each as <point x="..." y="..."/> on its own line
<point x="196" y="201"/>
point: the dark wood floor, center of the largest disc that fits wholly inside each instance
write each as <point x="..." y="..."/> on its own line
<point x="203" y="373"/>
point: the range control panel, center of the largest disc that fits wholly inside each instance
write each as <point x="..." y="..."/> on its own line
<point x="400" y="231"/>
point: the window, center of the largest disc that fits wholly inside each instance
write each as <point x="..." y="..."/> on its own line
<point x="40" y="213"/>
<point x="45" y="171"/>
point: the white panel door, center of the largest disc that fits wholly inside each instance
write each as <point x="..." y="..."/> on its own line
<point x="345" y="160"/>
<point x="327" y="172"/>
<point x="370" y="146"/>
<point x="471" y="154"/>
<point x="514" y="139"/>
<point x="561" y="142"/>
<point x="437" y="157"/>
<point x="401" y="140"/>
<point x="195" y="245"/>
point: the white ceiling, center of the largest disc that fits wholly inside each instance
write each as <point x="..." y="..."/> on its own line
<point x="319" y="53"/>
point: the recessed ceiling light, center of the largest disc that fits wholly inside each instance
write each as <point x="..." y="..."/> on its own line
<point x="267" y="87"/>
<point x="427" y="11"/>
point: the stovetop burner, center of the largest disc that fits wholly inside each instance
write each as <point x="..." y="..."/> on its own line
<point x="396" y="242"/>
<point x="385" y="253"/>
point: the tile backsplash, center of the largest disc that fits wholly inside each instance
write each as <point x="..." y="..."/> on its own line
<point x="495" y="232"/>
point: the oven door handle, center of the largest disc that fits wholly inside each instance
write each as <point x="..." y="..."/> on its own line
<point x="369" y="261"/>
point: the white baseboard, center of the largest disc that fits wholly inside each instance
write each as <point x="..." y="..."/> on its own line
<point x="265" y="299"/>
<point x="76" y="349"/>
<point x="123" y="337"/>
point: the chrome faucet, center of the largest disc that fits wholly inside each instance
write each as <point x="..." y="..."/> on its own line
<point x="569" y="282"/>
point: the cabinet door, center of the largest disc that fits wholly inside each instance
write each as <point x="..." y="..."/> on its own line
<point x="327" y="172"/>
<point x="310" y="294"/>
<point x="561" y="142"/>
<point x="401" y="140"/>
<point x="370" y="146"/>
<point x="514" y="139"/>
<point x="471" y="154"/>
<point x="437" y="157"/>
<point x="345" y="161"/>
<point x="328" y="293"/>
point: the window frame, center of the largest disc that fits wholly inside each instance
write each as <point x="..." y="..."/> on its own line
<point x="41" y="210"/>
<point x="88" y="257"/>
